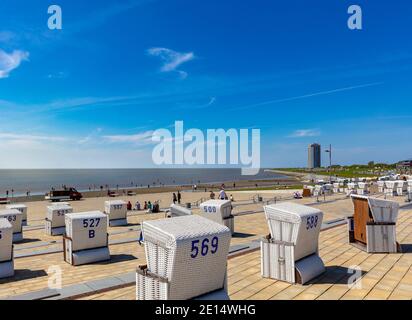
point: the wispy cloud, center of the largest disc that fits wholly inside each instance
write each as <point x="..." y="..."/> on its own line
<point x="15" y="136"/>
<point x="171" y="59"/>
<point x="28" y="140"/>
<point x="11" y="61"/>
<point x="303" y="133"/>
<point x="138" y="138"/>
<point x="309" y="95"/>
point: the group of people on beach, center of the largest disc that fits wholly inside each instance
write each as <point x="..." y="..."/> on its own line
<point x="148" y="206"/>
<point x="222" y="194"/>
<point x="177" y="198"/>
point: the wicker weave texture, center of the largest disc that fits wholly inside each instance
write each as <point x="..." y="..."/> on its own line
<point x="170" y="253"/>
<point x="178" y="211"/>
<point x="277" y="261"/>
<point x="295" y="223"/>
<point x="216" y="210"/>
<point x="150" y="288"/>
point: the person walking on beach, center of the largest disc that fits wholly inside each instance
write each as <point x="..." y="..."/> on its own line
<point x="174" y="198"/>
<point x="179" y="196"/>
<point x="222" y="194"/>
<point x="129" y="206"/>
<point x="212" y="195"/>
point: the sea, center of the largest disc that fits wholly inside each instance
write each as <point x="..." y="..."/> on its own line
<point x="40" y="181"/>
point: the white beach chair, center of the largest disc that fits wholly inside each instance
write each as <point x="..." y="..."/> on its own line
<point x="336" y="187"/>
<point x="55" y="219"/>
<point x="381" y="186"/>
<point x="178" y="211"/>
<point x="362" y="188"/>
<point x="15" y="217"/>
<point x="389" y="188"/>
<point x="219" y="211"/>
<point x="401" y="187"/>
<point x="186" y="258"/>
<point x="6" y="249"/>
<point x="117" y="212"/>
<point x="22" y="208"/>
<point x="290" y="252"/>
<point x="86" y="239"/>
<point x="376" y="234"/>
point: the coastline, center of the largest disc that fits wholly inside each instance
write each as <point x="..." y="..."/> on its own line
<point x="239" y="185"/>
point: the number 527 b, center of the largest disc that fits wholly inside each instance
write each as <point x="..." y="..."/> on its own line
<point x="203" y="248"/>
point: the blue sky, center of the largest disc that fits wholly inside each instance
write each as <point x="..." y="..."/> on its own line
<point x="90" y="95"/>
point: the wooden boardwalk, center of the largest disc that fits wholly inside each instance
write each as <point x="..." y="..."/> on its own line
<point x="384" y="276"/>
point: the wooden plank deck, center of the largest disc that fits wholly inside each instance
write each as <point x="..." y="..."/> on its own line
<point x="384" y="276"/>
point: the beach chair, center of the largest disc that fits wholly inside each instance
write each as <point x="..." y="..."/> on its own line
<point x="15" y="217"/>
<point x="409" y="188"/>
<point x="362" y="188"/>
<point x="290" y="252"/>
<point x="318" y="190"/>
<point x="22" y="208"/>
<point x="186" y="259"/>
<point x="55" y="219"/>
<point x="381" y="186"/>
<point x="401" y="187"/>
<point x="6" y="249"/>
<point x="219" y="211"/>
<point x="351" y="187"/>
<point x="117" y="212"/>
<point x="336" y="187"/>
<point x="373" y="225"/>
<point x="389" y="188"/>
<point x="86" y="238"/>
<point x="177" y="211"/>
<point x="307" y="191"/>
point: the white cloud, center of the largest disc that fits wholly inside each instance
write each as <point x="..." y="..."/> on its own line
<point x="138" y="138"/>
<point x="15" y="136"/>
<point x="11" y="61"/>
<point x="303" y="133"/>
<point x="171" y="59"/>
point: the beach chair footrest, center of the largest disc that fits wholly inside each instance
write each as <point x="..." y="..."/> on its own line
<point x="6" y="269"/>
<point x="150" y="286"/>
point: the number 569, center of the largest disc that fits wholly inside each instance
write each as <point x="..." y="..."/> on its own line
<point x="204" y="247"/>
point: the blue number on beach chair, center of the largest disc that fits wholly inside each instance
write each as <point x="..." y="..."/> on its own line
<point x="204" y="250"/>
<point x="311" y="222"/>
